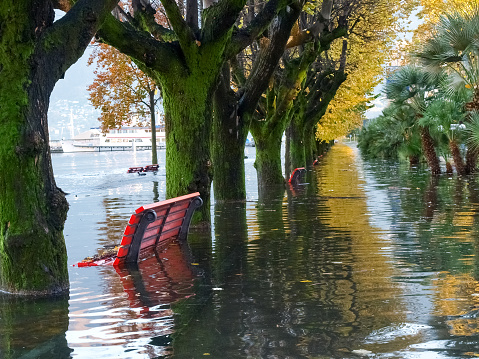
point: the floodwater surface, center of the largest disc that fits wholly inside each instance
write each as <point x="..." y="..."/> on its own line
<point x="366" y="259"/>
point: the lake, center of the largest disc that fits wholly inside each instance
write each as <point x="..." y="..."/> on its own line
<point x="366" y="259"/>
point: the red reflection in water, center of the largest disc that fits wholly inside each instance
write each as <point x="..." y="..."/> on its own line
<point x="160" y="279"/>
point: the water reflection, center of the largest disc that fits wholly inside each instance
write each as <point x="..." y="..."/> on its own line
<point x="163" y="278"/>
<point x="365" y="258"/>
<point x="130" y="312"/>
<point x="33" y="328"/>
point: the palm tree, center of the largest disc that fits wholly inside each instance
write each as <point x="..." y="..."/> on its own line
<point x="391" y="135"/>
<point x="445" y="120"/>
<point x="412" y="86"/>
<point x="472" y="130"/>
<point x="454" y="49"/>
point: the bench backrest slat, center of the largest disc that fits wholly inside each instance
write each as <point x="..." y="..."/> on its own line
<point x="153" y="224"/>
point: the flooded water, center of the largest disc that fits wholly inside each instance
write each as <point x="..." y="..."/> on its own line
<point x="367" y="259"/>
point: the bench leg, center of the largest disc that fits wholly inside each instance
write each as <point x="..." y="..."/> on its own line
<point x="195" y="203"/>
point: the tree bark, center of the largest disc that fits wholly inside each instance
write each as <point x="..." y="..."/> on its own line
<point x="268" y="158"/>
<point x="228" y="143"/>
<point x="188" y="106"/>
<point x="429" y="151"/>
<point x="309" y="142"/>
<point x="456" y="156"/>
<point x="34" y="54"/>
<point x="471" y="159"/>
<point x="192" y="13"/>
<point x="297" y="148"/>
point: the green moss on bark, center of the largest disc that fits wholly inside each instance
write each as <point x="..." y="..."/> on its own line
<point x="227" y="145"/>
<point x="32" y="209"/>
<point x="297" y="150"/>
<point x="188" y="117"/>
<point x="188" y="162"/>
<point x="268" y="159"/>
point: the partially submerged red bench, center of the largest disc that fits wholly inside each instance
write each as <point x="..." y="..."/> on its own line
<point x="151" y="227"/>
<point x="150" y="168"/>
<point x="139" y="170"/>
<point x="135" y="170"/>
<point x="297" y="175"/>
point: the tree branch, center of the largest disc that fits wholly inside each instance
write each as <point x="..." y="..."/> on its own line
<point x="66" y="40"/>
<point x="141" y="47"/>
<point x="185" y="34"/>
<point x="219" y="18"/>
<point x="244" y="37"/>
<point x="144" y="19"/>
<point x="310" y="34"/>
<point x="268" y="59"/>
<point x="319" y="107"/>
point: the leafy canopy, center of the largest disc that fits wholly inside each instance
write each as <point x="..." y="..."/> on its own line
<point x="120" y="89"/>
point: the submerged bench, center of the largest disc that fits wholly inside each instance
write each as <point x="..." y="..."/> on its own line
<point x="135" y="170"/>
<point x="140" y="170"/>
<point x="151" y="227"/>
<point x="297" y="175"/>
<point x="150" y="168"/>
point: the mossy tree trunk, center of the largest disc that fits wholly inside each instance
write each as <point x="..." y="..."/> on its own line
<point x="309" y="109"/>
<point x="187" y="69"/>
<point x="268" y="156"/>
<point x="188" y="104"/>
<point x="297" y="148"/>
<point x="34" y="54"/>
<point x="234" y="112"/>
<point x="187" y="61"/>
<point x="309" y="144"/>
<point x="318" y="89"/>
<point x="268" y="133"/>
<point x="228" y="144"/>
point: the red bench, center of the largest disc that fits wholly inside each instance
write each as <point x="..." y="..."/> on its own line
<point x="135" y="170"/>
<point x="151" y="227"/>
<point x="297" y="175"/>
<point x="142" y="170"/>
<point x="150" y="168"/>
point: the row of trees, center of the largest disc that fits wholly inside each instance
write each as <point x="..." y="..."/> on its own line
<point x="279" y="68"/>
<point x="224" y="69"/>
<point x="434" y="101"/>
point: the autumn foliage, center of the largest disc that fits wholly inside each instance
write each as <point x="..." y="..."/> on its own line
<point x="120" y="90"/>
